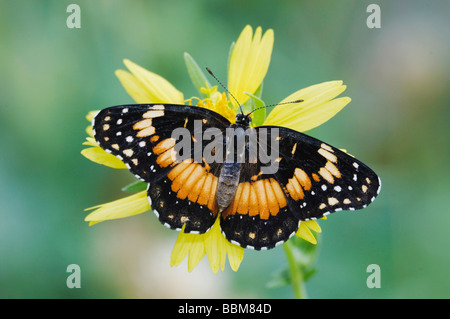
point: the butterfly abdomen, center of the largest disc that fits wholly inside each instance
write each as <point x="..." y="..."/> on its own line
<point x="227" y="184"/>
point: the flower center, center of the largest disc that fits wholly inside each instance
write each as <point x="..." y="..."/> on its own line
<point x="216" y="102"/>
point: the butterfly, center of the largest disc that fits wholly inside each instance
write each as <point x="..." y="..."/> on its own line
<point x="258" y="209"/>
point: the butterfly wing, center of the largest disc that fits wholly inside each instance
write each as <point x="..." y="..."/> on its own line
<point x="313" y="179"/>
<point x="181" y="190"/>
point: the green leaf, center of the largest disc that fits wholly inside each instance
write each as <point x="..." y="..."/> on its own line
<point x="196" y="74"/>
<point x="259" y="90"/>
<point x="281" y="278"/>
<point x="308" y="273"/>
<point x="135" y="187"/>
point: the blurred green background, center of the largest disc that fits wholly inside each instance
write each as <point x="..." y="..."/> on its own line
<point x="397" y="123"/>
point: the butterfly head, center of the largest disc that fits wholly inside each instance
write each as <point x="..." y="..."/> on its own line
<point x="243" y="120"/>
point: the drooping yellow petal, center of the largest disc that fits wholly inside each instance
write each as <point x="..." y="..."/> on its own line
<point x="306" y="234"/>
<point x="196" y="253"/>
<point x="313" y="225"/>
<point x="235" y="255"/>
<point x="99" y="156"/>
<point x="148" y="87"/>
<point x="249" y="62"/>
<point x="121" y="208"/>
<point x="181" y="248"/>
<point x="215" y="248"/>
<point x="211" y="243"/>
<point x="318" y="107"/>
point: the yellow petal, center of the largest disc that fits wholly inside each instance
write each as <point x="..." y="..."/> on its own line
<point x="181" y="248"/>
<point x="121" y="208"/>
<point x="313" y="225"/>
<point x="196" y="253"/>
<point x="249" y="62"/>
<point x="318" y="107"/>
<point x="98" y="155"/>
<point x="147" y="87"/>
<point x="91" y="115"/>
<point x="235" y="255"/>
<point x="90" y="141"/>
<point x="135" y="88"/>
<point x="215" y="247"/>
<point x="306" y="234"/>
<point x="212" y="243"/>
<point x="89" y="131"/>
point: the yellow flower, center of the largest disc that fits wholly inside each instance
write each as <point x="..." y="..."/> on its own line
<point x="248" y="65"/>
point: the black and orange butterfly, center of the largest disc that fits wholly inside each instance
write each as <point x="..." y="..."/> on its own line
<point x="257" y="210"/>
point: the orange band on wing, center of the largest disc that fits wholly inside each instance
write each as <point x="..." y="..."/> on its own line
<point x="182" y="178"/>
<point x="253" y="207"/>
<point x="193" y="181"/>
<point x="272" y="202"/>
<point x="244" y="199"/>
<point x="194" y="177"/>
<point x="281" y="199"/>
<point x="263" y="197"/>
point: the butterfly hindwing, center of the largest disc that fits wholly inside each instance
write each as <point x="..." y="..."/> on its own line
<point x="259" y="216"/>
<point x="174" y="212"/>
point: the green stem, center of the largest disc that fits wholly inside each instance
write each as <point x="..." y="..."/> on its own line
<point x="296" y="274"/>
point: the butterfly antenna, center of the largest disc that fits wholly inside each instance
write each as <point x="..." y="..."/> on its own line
<point x="262" y="107"/>
<point x="225" y="88"/>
